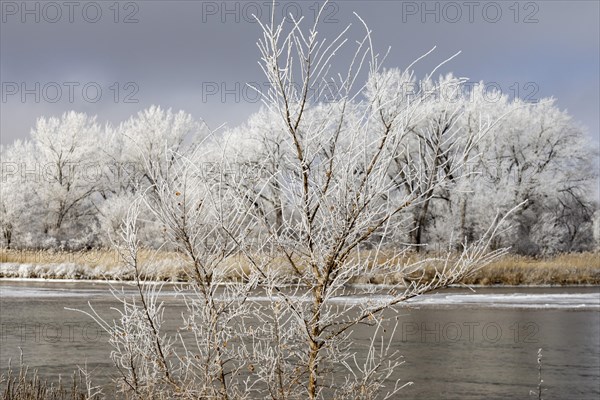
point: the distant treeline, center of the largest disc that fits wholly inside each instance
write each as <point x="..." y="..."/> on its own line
<point x="465" y="154"/>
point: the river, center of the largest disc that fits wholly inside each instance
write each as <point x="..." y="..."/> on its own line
<point x="456" y="344"/>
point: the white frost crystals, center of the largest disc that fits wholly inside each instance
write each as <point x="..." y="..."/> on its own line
<point x="345" y="189"/>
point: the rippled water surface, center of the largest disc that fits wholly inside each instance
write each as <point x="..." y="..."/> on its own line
<point x="457" y="344"/>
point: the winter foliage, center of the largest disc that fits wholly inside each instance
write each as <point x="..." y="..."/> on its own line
<point x="69" y="186"/>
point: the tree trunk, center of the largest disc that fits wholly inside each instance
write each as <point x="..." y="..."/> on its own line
<point x="8" y="236"/>
<point x="463" y="219"/>
<point x="420" y="225"/>
<point x="315" y="347"/>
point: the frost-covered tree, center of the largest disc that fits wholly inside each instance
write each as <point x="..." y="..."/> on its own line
<point x="60" y="172"/>
<point x="19" y="213"/>
<point x="258" y="148"/>
<point x="155" y="137"/>
<point x="135" y="154"/>
<point x="433" y="157"/>
<point x="529" y="152"/>
<point x="596" y="227"/>
<point x="328" y="208"/>
<point x="343" y="195"/>
<point x="540" y="155"/>
<point x="461" y="211"/>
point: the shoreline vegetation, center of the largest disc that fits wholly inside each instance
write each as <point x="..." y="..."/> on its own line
<point x="26" y="384"/>
<point x="105" y="264"/>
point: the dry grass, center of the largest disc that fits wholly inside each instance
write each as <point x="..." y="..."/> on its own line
<point x="106" y="258"/>
<point x="565" y="269"/>
<point x="25" y="386"/>
<point x="92" y="264"/>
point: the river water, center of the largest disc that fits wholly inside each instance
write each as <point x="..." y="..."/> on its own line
<point x="456" y="344"/>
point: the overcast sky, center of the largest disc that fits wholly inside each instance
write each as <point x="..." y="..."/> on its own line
<point x="114" y="59"/>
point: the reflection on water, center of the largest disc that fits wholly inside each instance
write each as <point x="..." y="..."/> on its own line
<point x="456" y="344"/>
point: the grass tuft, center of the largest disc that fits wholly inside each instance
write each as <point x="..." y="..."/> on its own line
<point x="23" y="385"/>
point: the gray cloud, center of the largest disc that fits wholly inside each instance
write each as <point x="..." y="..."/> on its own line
<point x="178" y="50"/>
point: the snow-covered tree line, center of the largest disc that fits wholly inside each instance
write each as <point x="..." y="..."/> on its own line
<point x="468" y="151"/>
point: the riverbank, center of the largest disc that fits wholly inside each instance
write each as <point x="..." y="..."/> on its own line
<point x="513" y="270"/>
